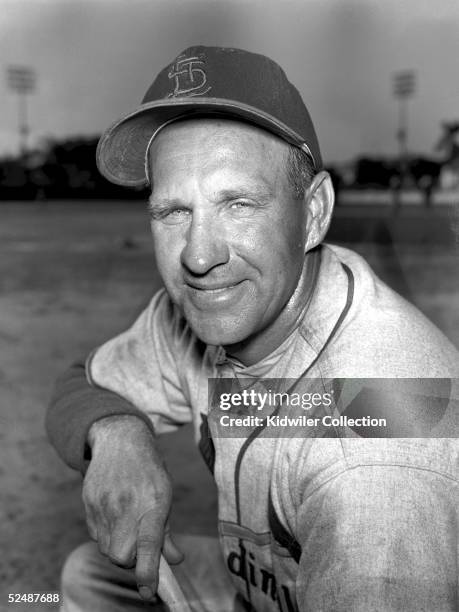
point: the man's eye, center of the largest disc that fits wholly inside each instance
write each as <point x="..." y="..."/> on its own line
<point x="174" y="215"/>
<point x="242" y="208"/>
<point x="239" y="205"/>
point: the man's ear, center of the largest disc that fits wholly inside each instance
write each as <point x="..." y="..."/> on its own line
<point x="319" y="201"/>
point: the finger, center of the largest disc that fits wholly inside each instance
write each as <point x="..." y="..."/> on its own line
<point x="122" y="549"/>
<point x="171" y="552"/>
<point x="91" y="523"/>
<point x="91" y="519"/>
<point x="103" y="540"/>
<point x="149" y="542"/>
<point x="92" y="530"/>
<point x="98" y="529"/>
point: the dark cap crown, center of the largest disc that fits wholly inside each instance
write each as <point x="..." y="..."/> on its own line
<point x="201" y="80"/>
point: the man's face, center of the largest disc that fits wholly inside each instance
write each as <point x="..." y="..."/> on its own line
<point x="229" y="235"/>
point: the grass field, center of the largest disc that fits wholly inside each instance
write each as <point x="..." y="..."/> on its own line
<point x="74" y="274"/>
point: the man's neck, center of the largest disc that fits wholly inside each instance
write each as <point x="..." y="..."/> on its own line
<point x="258" y="347"/>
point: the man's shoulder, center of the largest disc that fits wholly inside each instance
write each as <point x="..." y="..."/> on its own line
<point x="384" y="334"/>
<point x="309" y="468"/>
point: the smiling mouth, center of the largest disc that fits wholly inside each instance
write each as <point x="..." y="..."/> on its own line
<point x="215" y="296"/>
<point x="213" y="289"/>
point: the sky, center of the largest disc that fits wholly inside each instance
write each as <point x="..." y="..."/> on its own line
<point x="94" y="60"/>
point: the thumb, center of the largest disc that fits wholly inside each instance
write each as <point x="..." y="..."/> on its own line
<point x="172" y="554"/>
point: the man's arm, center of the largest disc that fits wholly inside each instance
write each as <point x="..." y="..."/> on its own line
<point x="127" y="491"/>
<point x="74" y="407"/>
<point x="379" y="537"/>
<point x="127" y="496"/>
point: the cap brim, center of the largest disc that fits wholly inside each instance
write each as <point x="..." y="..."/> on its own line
<point x="122" y="148"/>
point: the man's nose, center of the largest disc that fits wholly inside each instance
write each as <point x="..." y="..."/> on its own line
<point x="205" y="246"/>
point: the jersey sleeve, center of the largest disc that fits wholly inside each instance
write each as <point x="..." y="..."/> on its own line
<point x="379" y="537"/>
<point x="147" y="365"/>
<point x="136" y="373"/>
<point x="75" y="405"/>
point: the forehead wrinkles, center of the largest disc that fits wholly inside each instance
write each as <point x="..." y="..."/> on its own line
<point x="208" y="145"/>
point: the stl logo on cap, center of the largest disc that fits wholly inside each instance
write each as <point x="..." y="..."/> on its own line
<point x="189" y="76"/>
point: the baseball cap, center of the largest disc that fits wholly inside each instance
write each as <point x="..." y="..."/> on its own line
<point x="204" y="80"/>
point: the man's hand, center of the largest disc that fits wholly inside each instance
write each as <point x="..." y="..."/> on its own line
<point x="127" y="496"/>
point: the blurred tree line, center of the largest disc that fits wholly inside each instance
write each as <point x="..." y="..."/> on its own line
<point x="66" y="169"/>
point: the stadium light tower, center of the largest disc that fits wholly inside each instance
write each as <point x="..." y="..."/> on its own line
<point x="404" y="87"/>
<point x="22" y="79"/>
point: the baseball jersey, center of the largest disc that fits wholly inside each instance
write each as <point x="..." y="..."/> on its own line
<point x="323" y="519"/>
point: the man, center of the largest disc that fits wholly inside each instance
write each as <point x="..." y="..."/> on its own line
<point x="310" y="518"/>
